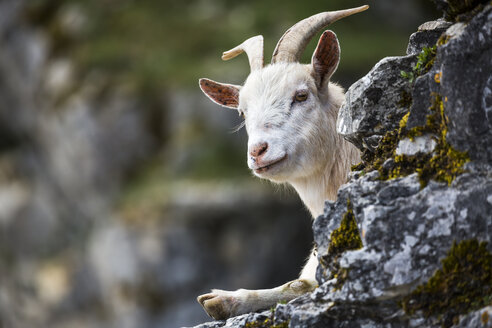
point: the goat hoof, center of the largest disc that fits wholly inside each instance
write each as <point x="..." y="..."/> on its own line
<point x="218" y="304"/>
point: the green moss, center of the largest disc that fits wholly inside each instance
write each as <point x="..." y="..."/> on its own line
<point x="408" y="75"/>
<point x="345" y="238"/>
<point x="385" y="150"/>
<point x="358" y="167"/>
<point x="463" y="284"/>
<point x="425" y="61"/>
<point x="404" y="165"/>
<point x="444" y="164"/>
<point x="267" y="323"/>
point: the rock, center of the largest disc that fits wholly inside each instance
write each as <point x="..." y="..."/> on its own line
<point x="421" y="144"/>
<point x="465" y="63"/>
<point x="373" y="105"/>
<point x="239" y="321"/>
<point x="398" y="228"/>
<point x="368" y="113"/>
<point x="426" y="35"/>
<point x="462" y="67"/>
<point x="477" y="319"/>
<point x="421" y="101"/>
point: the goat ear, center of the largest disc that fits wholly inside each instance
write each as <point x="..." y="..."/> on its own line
<point x="325" y="58"/>
<point x="226" y="95"/>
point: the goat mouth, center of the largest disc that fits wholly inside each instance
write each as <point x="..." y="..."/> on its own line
<point x="265" y="168"/>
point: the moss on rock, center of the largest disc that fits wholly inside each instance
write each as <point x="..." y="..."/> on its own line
<point x="267" y="323"/>
<point x="425" y="61"/>
<point x="462" y="285"/>
<point x="444" y="164"/>
<point x="345" y="238"/>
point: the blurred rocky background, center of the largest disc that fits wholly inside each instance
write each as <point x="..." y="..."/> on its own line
<point x="123" y="194"/>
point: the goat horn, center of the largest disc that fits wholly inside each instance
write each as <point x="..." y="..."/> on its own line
<point x="253" y="47"/>
<point x="291" y="45"/>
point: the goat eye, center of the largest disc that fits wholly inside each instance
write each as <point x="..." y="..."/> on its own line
<point x="301" y="96"/>
<point x="241" y="113"/>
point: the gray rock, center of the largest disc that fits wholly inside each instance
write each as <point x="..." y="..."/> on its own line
<point x="397" y="233"/>
<point x="421" y="101"/>
<point x="373" y="105"/>
<point x="466" y="66"/>
<point x="422" y="144"/>
<point x="239" y="321"/>
<point x="477" y="319"/>
<point x="426" y="35"/>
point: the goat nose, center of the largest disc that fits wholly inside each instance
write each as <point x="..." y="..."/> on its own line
<point x="258" y="149"/>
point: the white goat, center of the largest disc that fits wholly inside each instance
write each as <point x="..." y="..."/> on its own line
<point x="290" y="113"/>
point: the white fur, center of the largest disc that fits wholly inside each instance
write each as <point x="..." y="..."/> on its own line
<point x="315" y="161"/>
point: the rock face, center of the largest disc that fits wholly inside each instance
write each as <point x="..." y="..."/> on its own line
<point x="374" y="104"/>
<point x="426" y="259"/>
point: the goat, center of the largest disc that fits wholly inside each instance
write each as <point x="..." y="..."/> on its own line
<point x="290" y="113"/>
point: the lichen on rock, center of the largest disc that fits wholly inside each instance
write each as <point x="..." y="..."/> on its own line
<point x="463" y="284"/>
<point x="345" y="238"/>
<point x="443" y="163"/>
<point x="267" y="323"/>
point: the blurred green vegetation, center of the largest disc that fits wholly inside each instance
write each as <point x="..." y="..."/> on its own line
<point x="162" y="44"/>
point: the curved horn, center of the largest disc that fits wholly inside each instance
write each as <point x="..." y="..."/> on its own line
<point x="291" y="45"/>
<point x="253" y="47"/>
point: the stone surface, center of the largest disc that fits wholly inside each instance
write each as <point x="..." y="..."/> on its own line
<point x="422" y="144"/>
<point x="405" y="232"/>
<point x="426" y="35"/>
<point x="368" y="112"/>
<point x="477" y="319"/>
<point x="373" y="105"/>
<point x="239" y="321"/>
<point x="421" y="100"/>
<point x="465" y="63"/>
<point x="407" y="229"/>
